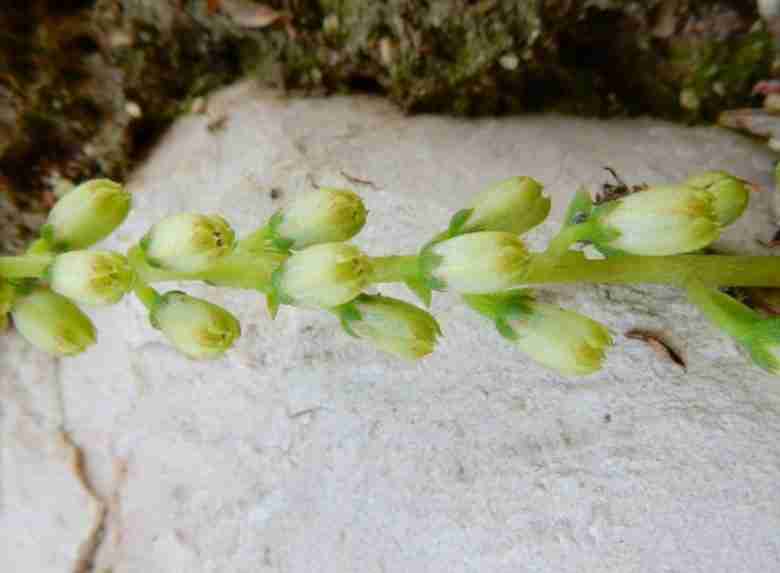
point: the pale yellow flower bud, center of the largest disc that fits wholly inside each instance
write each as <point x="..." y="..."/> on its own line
<point x="52" y="323"/>
<point x="660" y="221"/>
<point x="515" y="206"/>
<point x="560" y="339"/>
<point x="188" y="242"/>
<point x="322" y="216"/>
<point x="91" y="277"/>
<point x="87" y="214"/>
<point x="323" y="276"/>
<point x="196" y="327"/>
<point x="393" y="325"/>
<point x="476" y="262"/>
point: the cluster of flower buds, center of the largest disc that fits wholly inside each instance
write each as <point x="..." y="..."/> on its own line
<point x="45" y="311"/>
<point x="301" y="257"/>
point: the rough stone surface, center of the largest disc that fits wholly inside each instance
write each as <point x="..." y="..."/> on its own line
<point x="303" y="450"/>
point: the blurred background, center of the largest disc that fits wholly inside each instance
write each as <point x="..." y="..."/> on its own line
<point x="87" y="86"/>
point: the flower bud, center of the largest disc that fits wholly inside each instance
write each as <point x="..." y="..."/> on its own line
<point x="53" y="323"/>
<point x="91" y="277"/>
<point x="194" y="326"/>
<point x="660" y="221"/>
<point x="87" y="214"/>
<point x="322" y="216"/>
<point x="514" y="206"/>
<point x="476" y="262"/>
<point x="731" y="194"/>
<point x="393" y="325"/>
<point x="323" y="276"/>
<point x="189" y="243"/>
<point x="565" y="341"/>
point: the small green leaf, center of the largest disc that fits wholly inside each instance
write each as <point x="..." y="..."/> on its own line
<point x="428" y="262"/>
<point x="144" y="243"/>
<point x="458" y="220"/>
<point x="275" y="220"/>
<point x="47" y="233"/>
<point x="580" y="207"/>
<point x="420" y="289"/>
<point x="348" y="313"/>
<point x="505" y="330"/>
<point x="609" y="252"/>
<point x="282" y="244"/>
<point x="272" y="302"/>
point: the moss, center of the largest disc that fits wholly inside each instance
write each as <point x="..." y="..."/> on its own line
<point x="69" y="70"/>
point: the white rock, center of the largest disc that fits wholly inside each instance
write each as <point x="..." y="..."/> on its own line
<point x="304" y="451"/>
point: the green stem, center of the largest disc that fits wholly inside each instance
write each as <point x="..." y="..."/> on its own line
<point x="729" y="314"/>
<point x="245" y="269"/>
<point x="393" y="269"/>
<point x="146" y="294"/>
<point x="150" y="274"/>
<point x="25" y="266"/>
<point x="39" y="247"/>
<point x="567" y="237"/>
<point x="678" y="270"/>
<point x="256" y="240"/>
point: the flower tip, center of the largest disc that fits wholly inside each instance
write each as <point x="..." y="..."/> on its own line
<point x="87" y="214"/>
<point x="325" y="215"/>
<point x="515" y="205"/>
<point x="188" y="242"/>
<point x="91" y="277"/>
<point x="392" y="325"/>
<point x="197" y="328"/>
<point x="730" y="194"/>
<point x="52" y="323"/>
<point x="323" y="276"/>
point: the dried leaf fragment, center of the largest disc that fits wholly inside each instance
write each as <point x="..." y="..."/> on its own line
<point x="357" y="180"/>
<point x="757" y="122"/>
<point x="661" y="348"/>
<point x="250" y="15"/>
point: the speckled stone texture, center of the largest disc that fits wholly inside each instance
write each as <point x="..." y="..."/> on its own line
<point x="305" y="451"/>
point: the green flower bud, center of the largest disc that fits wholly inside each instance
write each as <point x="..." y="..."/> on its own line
<point x="87" y="214"/>
<point x="53" y="323"/>
<point x="660" y="221"/>
<point x="476" y="263"/>
<point x="91" y="277"/>
<point x="560" y="339"/>
<point x="322" y="216"/>
<point x="323" y="276"/>
<point x="392" y="325"/>
<point x="194" y="326"/>
<point x="730" y="193"/>
<point x="514" y="206"/>
<point x="189" y="243"/>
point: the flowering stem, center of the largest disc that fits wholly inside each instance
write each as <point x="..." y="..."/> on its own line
<point x="147" y="273"/>
<point x="39" y="247"/>
<point x="729" y="314"/>
<point x="25" y="266"/>
<point x="396" y="268"/>
<point x="146" y="294"/>
<point x="678" y="270"/>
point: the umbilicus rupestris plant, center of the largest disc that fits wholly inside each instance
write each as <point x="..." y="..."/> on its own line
<point x="301" y="257"/>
